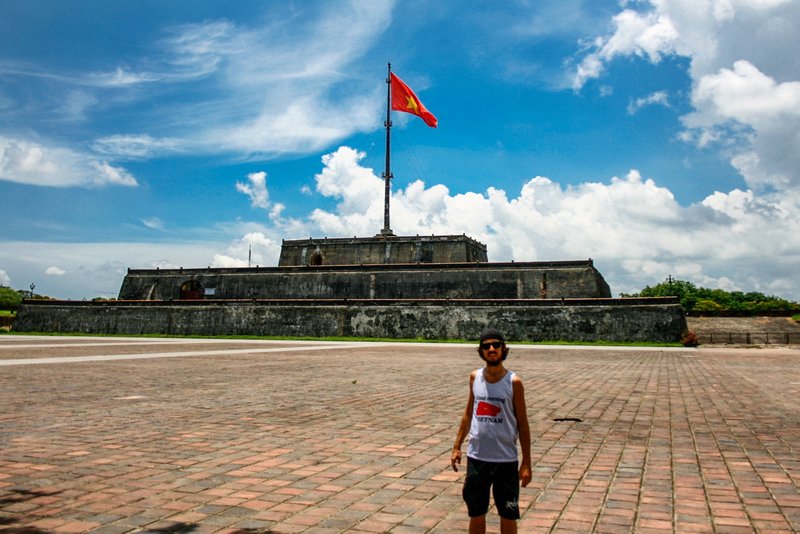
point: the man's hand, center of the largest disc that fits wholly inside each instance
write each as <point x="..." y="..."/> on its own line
<point x="524" y="474"/>
<point x="455" y="459"/>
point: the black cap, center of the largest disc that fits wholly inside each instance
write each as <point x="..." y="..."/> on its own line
<point x="492" y="333"/>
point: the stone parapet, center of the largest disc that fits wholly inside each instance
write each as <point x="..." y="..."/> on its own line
<point x="478" y="280"/>
<point x="381" y="249"/>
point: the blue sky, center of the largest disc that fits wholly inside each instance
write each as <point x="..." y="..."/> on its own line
<point x="657" y="137"/>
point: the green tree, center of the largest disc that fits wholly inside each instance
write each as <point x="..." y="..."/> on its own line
<point x="708" y="306"/>
<point x="685" y="291"/>
<point x="717" y="301"/>
<point x="10" y="299"/>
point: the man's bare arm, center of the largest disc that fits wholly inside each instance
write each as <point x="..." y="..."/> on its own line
<point x="524" y="430"/>
<point x="463" y="428"/>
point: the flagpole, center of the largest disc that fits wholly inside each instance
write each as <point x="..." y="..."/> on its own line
<point x="387" y="175"/>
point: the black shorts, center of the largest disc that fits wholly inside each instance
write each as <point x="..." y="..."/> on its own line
<point x="502" y="477"/>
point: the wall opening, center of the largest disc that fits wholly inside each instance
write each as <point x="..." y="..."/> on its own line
<point x="316" y="258"/>
<point x="192" y="290"/>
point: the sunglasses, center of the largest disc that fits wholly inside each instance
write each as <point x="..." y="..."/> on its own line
<point x="492" y="344"/>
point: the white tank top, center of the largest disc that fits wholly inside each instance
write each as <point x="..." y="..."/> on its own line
<point x="493" y="433"/>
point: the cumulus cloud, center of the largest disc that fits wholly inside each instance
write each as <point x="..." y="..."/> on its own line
<point x="634" y="228"/>
<point x="713" y="34"/>
<point x="5" y="280"/>
<point x="649" y="35"/>
<point x="253" y="249"/>
<point x="763" y="114"/>
<point x="37" y="164"/>
<point x="55" y="271"/>
<point x="256" y="189"/>
<point x="746" y="94"/>
<point x="745" y="77"/>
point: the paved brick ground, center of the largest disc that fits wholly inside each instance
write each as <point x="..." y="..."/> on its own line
<point x="228" y="436"/>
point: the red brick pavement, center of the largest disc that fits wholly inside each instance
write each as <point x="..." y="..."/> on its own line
<point x="322" y="438"/>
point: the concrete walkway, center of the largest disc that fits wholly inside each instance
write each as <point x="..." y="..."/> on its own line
<point x="112" y="435"/>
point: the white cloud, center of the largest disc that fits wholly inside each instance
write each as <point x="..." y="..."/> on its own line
<point x="199" y="49"/>
<point x="108" y="174"/>
<point x="649" y="35"/>
<point x="280" y="73"/>
<point x="136" y="146"/>
<point x="712" y="33"/>
<point x="36" y="164"/>
<point x="634" y="228"/>
<point x="747" y="95"/>
<point x="284" y="78"/>
<point x="256" y="189"/>
<point x="659" y="98"/>
<point x="55" y="271"/>
<point x="763" y="115"/>
<point x="95" y="269"/>
<point x="120" y="77"/>
<point x="359" y="192"/>
<point x="5" y="280"/>
<point x="153" y="223"/>
<point x="745" y="77"/>
<point x="254" y="249"/>
<point x="77" y="104"/>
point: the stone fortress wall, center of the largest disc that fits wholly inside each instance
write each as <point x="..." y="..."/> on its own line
<point x="480" y="280"/>
<point x="380" y="287"/>
<point x="587" y="320"/>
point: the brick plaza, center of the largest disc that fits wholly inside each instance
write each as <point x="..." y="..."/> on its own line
<point x="114" y="435"/>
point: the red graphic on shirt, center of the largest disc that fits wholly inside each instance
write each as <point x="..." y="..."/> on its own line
<point x="490" y="410"/>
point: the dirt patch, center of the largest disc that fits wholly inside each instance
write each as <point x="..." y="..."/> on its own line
<point x="743" y="324"/>
<point x="745" y="330"/>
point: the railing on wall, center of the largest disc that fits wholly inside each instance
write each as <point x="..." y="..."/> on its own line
<point x="749" y="338"/>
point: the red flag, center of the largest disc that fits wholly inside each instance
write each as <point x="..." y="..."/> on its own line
<point x="404" y="99"/>
<point x="486" y="409"/>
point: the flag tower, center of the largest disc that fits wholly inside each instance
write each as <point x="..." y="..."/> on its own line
<point x="387" y="173"/>
<point x="399" y="97"/>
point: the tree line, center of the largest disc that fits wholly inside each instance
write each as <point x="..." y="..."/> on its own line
<point x="704" y="301"/>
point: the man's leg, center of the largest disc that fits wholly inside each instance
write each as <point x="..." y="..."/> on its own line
<point x="507" y="526"/>
<point x="477" y="525"/>
<point x="506" y="496"/>
<point x="476" y="494"/>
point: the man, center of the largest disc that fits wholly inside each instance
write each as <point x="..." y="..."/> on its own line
<point x="495" y="418"/>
